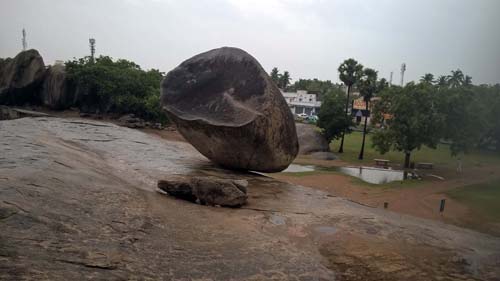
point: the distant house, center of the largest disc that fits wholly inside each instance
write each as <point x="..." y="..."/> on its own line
<point x="302" y="102"/>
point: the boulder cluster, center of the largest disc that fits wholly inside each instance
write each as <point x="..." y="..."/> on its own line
<point x="25" y="79"/>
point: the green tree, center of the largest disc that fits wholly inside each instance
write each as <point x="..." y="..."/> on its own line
<point x="414" y="122"/>
<point x="120" y="86"/>
<point x="464" y="117"/>
<point x="367" y="86"/>
<point x="349" y="73"/>
<point x="456" y="79"/>
<point x="275" y="75"/>
<point x="320" y="87"/>
<point x="284" y="80"/>
<point x="331" y="118"/>
<point x="467" y="81"/>
<point x="381" y="85"/>
<point x="442" y="81"/>
<point x="427" y="78"/>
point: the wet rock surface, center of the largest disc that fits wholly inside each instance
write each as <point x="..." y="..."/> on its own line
<point x="207" y="190"/>
<point x="78" y="201"/>
<point x="57" y="93"/>
<point x="310" y="139"/>
<point x="20" y="78"/>
<point x="224" y="103"/>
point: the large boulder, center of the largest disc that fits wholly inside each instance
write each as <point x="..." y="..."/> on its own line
<point x="313" y="143"/>
<point x="57" y="92"/>
<point x="224" y="103"/>
<point x="310" y="139"/>
<point x="21" y="77"/>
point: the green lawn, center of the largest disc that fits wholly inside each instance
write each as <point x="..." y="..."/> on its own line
<point x="484" y="198"/>
<point x="439" y="156"/>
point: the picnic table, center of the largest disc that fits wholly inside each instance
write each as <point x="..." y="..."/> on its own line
<point x="382" y="162"/>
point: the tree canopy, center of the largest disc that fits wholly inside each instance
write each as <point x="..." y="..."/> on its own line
<point x="120" y="86"/>
<point x="415" y="120"/>
<point x="331" y="118"/>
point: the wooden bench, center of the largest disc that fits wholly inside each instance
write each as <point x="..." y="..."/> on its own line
<point x="428" y="166"/>
<point x="382" y="162"/>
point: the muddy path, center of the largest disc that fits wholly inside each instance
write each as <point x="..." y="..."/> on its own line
<point x="78" y="200"/>
<point x="421" y="200"/>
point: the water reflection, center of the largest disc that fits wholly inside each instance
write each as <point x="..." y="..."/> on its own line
<point x="296" y="168"/>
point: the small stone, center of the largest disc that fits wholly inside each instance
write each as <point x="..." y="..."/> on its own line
<point x="179" y="187"/>
<point x="206" y="190"/>
<point x="213" y="191"/>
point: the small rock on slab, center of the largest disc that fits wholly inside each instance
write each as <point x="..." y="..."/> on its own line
<point x="207" y="190"/>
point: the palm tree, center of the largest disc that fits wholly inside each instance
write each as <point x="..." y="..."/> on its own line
<point x="382" y="84"/>
<point x="428" y="78"/>
<point x="349" y="72"/>
<point x="442" y="81"/>
<point x="285" y="80"/>
<point x="275" y="75"/>
<point x="367" y="87"/>
<point x="467" y="81"/>
<point x="456" y="79"/>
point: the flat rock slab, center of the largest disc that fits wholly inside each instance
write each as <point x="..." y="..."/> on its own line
<point x="78" y="201"/>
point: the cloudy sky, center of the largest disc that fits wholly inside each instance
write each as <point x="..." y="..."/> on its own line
<point x="309" y="38"/>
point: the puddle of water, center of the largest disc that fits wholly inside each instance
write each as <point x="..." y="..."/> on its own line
<point x="277" y="220"/>
<point x="375" y="175"/>
<point x="296" y="168"/>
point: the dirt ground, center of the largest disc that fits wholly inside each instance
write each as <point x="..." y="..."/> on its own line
<point x="421" y="199"/>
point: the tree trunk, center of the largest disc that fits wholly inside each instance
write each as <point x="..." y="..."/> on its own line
<point x="341" y="149"/>
<point x="362" y="152"/>
<point x="407" y="160"/>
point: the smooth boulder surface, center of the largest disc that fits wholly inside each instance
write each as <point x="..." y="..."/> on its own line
<point x="224" y="103"/>
<point x="56" y="90"/>
<point x="20" y="78"/>
<point x="310" y="139"/>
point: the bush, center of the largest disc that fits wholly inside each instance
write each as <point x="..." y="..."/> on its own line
<point x="121" y="86"/>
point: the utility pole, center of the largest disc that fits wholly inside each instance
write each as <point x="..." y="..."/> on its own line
<point x="25" y="43"/>
<point x="92" y="48"/>
<point x="390" y="79"/>
<point x="403" y="69"/>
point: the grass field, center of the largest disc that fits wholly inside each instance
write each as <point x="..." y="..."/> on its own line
<point x="439" y="156"/>
<point x="483" y="198"/>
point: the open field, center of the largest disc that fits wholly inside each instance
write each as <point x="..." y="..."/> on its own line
<point x="484" y="198"/>
<point x="440" y="156"/>
<point x="472" y="197"/>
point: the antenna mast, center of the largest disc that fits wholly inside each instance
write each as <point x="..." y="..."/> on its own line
<point x="25" y="44"/>
<point x="403" y="69"/>
<point x="92" y="48"/>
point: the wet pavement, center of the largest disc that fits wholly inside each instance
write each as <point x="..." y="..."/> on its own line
<point x="78" y="200"/>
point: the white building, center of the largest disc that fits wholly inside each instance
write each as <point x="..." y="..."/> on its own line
<point x="302" y="102"/>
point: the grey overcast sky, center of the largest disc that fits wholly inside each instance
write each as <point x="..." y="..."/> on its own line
<point x="309" y="38"/>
